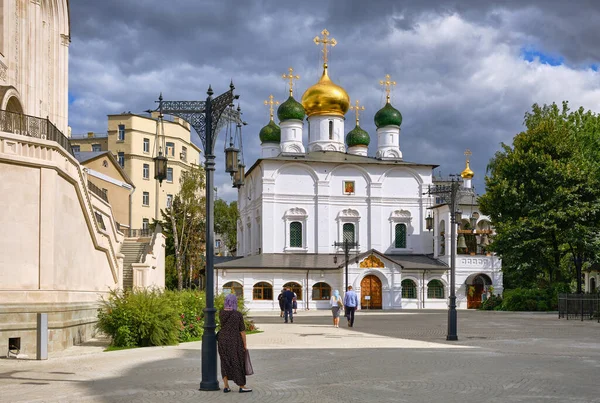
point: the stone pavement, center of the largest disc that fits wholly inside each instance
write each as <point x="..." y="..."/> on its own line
<point x="386" y="357"/>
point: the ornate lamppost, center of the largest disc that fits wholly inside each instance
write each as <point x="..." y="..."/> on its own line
<point x="207" y="118"/>
<point x="451" y="194"/>
<point x="346" y="245"/>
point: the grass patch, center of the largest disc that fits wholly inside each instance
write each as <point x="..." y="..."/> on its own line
<point x="114" y="348"/>
<point x="255" y="331"/>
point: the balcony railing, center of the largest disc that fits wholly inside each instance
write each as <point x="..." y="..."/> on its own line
<point x="97" y="191"/>
<point x="32" y="126"/>
<point x="137" y="232"/>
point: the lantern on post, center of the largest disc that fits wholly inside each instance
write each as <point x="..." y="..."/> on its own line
<point x="429" y="222"/>
<point x="238" y="176"/>
<point x="231" y="159"/>
<point x="160" y="167"/>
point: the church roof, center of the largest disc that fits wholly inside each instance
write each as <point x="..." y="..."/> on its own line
<point x="314" y="261"/>
<point x="340" y="158"/>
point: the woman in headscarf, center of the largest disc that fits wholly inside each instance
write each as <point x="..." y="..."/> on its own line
<point x="232" y="345"/>
<point x="336" y="307"/>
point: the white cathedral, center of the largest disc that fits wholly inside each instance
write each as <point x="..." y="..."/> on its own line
<point x="301" y="202"/>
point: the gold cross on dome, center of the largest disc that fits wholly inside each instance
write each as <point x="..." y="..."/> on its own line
<point x="325" y="41"/>
<point x="468" y="153"/>
<point x="291" y="77"/>
<point x="357" y="109"/>
<point x="270" y="103"/>
<point x="388" y="83"/>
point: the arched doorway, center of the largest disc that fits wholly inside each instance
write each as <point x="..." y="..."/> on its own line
<point x="476" y="284"/>
<point x="13" y="105"/>
<point x="592" y="285"/>
<point x="370" y="293"/>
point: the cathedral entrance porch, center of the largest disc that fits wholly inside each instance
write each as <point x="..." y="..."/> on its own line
<point x="370" y="296"/>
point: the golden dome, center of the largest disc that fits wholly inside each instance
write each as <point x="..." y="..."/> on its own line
<point x="325" y="98"/>
<point x="467" y="173"/>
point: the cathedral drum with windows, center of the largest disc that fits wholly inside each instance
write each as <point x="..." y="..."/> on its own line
<point x="299" y="201"/>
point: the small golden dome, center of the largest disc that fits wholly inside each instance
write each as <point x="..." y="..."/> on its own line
<point x="467" y="173"/>
<point x="325" y="98"/>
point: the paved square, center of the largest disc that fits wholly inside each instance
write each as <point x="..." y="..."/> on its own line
<point x="386" y="357"/>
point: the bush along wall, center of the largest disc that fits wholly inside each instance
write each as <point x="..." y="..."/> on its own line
<point x="140" y="318"/>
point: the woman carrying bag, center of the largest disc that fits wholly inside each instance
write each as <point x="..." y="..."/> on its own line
<point x="232" y="346"/>
<point x="336" y="307"/>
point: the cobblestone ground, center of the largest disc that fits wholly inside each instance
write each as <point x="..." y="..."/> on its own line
<point x="386" y="357"/>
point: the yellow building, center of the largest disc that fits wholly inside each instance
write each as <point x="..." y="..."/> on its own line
<point x="132" y="139"/>
<point x="89" y="142"/>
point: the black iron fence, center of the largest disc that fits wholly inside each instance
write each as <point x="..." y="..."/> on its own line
<point x="583" y="306"/>
<point x="32" y="126"/>
<point x="97" y="191"/>
<point x="137" y="233"/>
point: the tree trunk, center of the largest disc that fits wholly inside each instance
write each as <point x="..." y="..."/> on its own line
<point x="178" y="263"/>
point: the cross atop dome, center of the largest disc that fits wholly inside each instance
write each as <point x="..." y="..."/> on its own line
<point x="325" y="41"/>
<point x="357" y="110"/>
<point x="388" y="84"/>
<point x="270" y="103"/>
<point x="291" y="77"/>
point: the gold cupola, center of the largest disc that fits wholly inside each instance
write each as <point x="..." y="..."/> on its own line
<point x="325" y="97"/>
<point x="467" y="173"/>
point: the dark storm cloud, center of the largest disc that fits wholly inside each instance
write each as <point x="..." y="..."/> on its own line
<point x="460" y="81"/>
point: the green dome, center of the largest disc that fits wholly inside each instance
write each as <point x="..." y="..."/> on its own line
<point x="388" y="115"/>
<point x="271" y="133"/>
<point x="290" y="109"/>
<point x="357" y="137"/>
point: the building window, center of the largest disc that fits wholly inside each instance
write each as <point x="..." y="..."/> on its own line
<point x="100" y="220"/>
<point x="330" y="130"/>
<point x="146" y="171"/>
<point x="145" y="224"/>
<point x="262" y="291"/>
<point x="121" y="132"/>
<point x="146" y="145"/>
<point x="234" y="287"/>
<point x="169" y="200"/>
<point x="96" y="147"/>
<point x="217" y="243"/>
<point x="146" y="199"/>
<point x="400" y="236"/>
<point x="295" y="234"/>
<point x="170" y="175"/>
<point x="296" y="289"/>
<point x="183" y="154"/>
<point x="170" y="149"/>
<point x="348" y="230"/>
<point x="121" y="159"/>
<point x="321" y="291"/>
<point x="409" y="289"/>
<point x="435" y="289"/>
<point x="76" y="149"/>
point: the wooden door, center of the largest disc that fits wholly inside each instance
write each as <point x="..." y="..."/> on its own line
<point x="370" y="286"/>
<point x="474" y="296"/>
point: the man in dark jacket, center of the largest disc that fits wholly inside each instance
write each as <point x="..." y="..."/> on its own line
<point x="281" y="300"/>
<point x="288" y="297"/>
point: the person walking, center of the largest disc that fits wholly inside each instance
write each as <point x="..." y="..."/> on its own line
<point x="232" y="345"/>
<point x="288" y="296"/>
<point x="295" y="303"/>
<point x="336" y="307"/>
<point x="350" y="304"/>
<point x="281" y="302"/>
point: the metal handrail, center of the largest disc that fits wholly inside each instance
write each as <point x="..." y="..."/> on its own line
<point x="579" y="306"/>
<point x="32" y="126"/>
<point x="97" y="191"/>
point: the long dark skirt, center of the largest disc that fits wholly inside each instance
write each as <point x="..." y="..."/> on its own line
<point x="231" y="347"/>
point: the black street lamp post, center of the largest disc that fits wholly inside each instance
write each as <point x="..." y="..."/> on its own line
<point x="347" y="245"/>
<point x="206" y="119"/>
<point x="450" y="194"/>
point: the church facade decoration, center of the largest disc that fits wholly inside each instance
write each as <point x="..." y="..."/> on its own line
<point x="371" y="261"/>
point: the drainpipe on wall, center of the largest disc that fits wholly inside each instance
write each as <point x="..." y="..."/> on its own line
<point x="307" y="305"/>
<point x="423" y="290"/>
<point x="131" y="204"/>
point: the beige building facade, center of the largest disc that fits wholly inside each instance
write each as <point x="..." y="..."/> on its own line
<point x="89" y="142"/>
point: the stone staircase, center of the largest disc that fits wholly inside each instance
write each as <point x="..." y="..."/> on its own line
<point x="133" y="250"/>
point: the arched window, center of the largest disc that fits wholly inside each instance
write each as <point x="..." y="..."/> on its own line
<point x="409" y="289"/>
<point x="321" y="291"/>
<point x="331" y="130"/>
<point x="592" y="285"/>
<point x="435" y="289"/>
<point x="400" y="236"/>
<point x="234" y="287"/>
<point x="348" y="231"/>
<point x="295" y="288"/>
<point x="295" y="234"/>
<point x="262" y="291"/>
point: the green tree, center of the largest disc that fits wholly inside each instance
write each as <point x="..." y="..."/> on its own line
<point x="184" y="223"/>
<point x="226" y="217"/>
<point x="542" y="194"/>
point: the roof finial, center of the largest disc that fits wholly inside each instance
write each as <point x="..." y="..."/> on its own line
<point x="325" y="40"/>
<point x="357" y="110"/>
<point x="270" y="103"/>
<point x="467" y="173"/>
<point x="291" y="77"/>
<point x="388" y="83"/>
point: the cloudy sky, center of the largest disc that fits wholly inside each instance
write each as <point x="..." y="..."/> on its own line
<point x="466" y="71"/>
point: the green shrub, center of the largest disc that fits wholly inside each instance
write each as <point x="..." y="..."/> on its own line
<point x="138" y="318"/>
<point x="531" y="299"/>
<point x="492" y="303"/>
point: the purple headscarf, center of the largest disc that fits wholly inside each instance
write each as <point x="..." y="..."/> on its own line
<point x="231" y="302"/>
